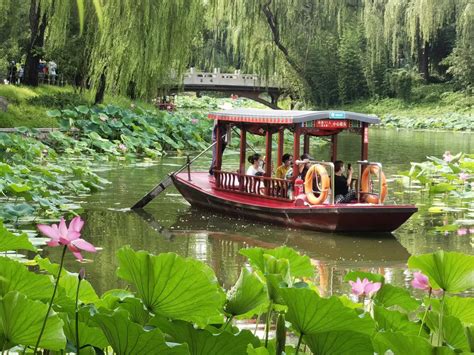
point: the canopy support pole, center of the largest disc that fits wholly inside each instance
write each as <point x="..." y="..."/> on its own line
<point x="296" y="151"/>
<point x="281" y="143"/>
<point x="268" y="153"/>
<point x="243" y="146"/>
<point x="305" y="145"/>
<point x="364" y="153"/>
<point x="334" y="148"/>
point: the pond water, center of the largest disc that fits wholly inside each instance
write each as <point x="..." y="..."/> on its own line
<point x="169" y="224"/>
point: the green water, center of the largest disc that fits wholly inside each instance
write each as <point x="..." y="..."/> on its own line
<point x="171" y="225"/>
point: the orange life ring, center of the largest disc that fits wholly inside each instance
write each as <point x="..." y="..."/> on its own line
<point x="364" y="184"/>
<point x="325" y="184"/>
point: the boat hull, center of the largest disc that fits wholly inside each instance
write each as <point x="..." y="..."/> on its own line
<point x="328" y="218"/>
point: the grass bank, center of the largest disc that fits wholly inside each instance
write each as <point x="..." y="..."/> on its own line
<point x="430" y="107"/>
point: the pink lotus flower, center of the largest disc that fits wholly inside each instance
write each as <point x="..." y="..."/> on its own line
<point x="194" y="121"/>
<point x="463" y="176"/>
<point x="462" y="231"/>
<point x="364" y="287"/>
<point x="122" y="147"/>
<point x="447" y="156"/>
<point x="69" y="236"/>
<point x="420" y="281"/>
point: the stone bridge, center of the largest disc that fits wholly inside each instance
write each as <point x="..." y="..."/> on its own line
<point x="244" y="85"/>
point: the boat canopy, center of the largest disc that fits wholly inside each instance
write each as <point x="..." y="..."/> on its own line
<point x="279" y="117"/>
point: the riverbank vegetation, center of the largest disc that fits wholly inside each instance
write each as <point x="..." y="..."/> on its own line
<point x="174" y="305"/>
<point x="325" y="54"/>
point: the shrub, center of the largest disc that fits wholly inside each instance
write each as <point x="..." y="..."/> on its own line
<point x="58" y="100"/>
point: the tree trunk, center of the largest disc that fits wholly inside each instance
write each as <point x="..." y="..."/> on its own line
<point x="424" y="61"/>
<point x="37" y="27"/>
<point x="272" y="21"/>
<point x="99" y="95"/>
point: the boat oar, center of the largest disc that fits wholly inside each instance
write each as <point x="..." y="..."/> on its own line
<point x="167" y="181"/>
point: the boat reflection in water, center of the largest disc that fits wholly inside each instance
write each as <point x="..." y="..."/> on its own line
<point x="217" y="240"/>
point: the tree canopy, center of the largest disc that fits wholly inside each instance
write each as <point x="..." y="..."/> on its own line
<point x="327" y="51"/>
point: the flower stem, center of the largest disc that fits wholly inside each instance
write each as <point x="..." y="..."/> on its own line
<point x="51" y="301"/>
<point x="440" y="327"/>
<point x="227" y="323"/>
<point x="426" y="312"/>
<point x="267" y="322"/>
<point x="299" y="343"/>
<point x="77" y="315"/>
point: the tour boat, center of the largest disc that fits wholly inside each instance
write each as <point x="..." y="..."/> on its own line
<point x="285" y="201"/>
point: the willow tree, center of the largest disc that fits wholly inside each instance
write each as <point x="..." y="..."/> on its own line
<point x="143" y="44"/>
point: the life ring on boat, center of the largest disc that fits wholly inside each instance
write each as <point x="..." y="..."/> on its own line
<point x="325" y="184"/>
<point x="365" y="183"/>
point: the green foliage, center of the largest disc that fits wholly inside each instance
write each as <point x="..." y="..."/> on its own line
<point x="401" y="82"/>
<point x="450" y="271"/>
<point x="59" y="100"/>
<point x="173" y="287"/>
<point x="177" y="299"/>
<point x="9" y="241"/>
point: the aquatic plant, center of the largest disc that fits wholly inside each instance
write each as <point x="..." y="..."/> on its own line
<point x="175" y="305"/>
<point x="446" y="188"/>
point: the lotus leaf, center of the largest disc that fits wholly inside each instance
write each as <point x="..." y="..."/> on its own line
<point x="89" y="335"/>
<point x="202" y="341"/>
<point x="15" y="276"/>
<point x="394" y="321"/>
<point x="390" y="295"/>
<point x="339" y="343"/>
<point x="400" y="344"/>
<point x="453" y="331"/>
<point x="451" y="271"/>
<point x="247" y="296"/>
<point x="21" y="320"/>
<point x="10" y="241"/>
<point x="173" y="286"/>
<point x="127" y="337"/>
<point x="312" y="314"/>
<point x="300" y="265"/>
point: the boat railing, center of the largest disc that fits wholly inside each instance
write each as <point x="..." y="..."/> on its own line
<point x="359" y="182"/>
<point x="262" y="186"/>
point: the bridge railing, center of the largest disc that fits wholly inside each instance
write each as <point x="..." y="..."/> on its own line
<point x="226" y="79"/>
<point x="261" y="186"/>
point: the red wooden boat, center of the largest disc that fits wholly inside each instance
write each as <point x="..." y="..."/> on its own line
<point x="270" y="199"/>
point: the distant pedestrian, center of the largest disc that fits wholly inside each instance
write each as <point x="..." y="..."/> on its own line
<point x="12" y="72"/>
<point x="21" y="74"/>
<point x="52" y="68"/>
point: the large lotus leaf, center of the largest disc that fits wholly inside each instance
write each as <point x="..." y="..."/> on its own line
<point x="10" y="241"/>
<point x="136" y="310"/>
<point x="247" y="296"/>
<point x="14" y="276"/>
<point x="89" y="335"/>
<point x="111" y="299"/>
<point x="451" y="271"/>
<point x="21" y="320"/>
<point x="353" y="275"/>
<point x="68" y="282"/>
<point x="300" y="265"/>
<point x="453" y="332"/>
<point x="204" y="342"/>
<point x="127" y="337"/>
<point x="390" y="295"/>
<point x="394" y="321"/>
<point x="461" y="308"/>
<point x="261" y="350"/>
<point x="401" y="344"/>
<point x="312" y="314"/>
<point x="339" y="343"/>
<point x="173" y="286"/>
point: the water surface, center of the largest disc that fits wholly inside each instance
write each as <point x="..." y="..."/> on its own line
<point x="170" y="224"/>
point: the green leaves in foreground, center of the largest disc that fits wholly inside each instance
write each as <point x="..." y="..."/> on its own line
<point x="172" y="286"/>
<point x="327" y="325"/>
<point x="21" y="320"/>
<point x="9" y="241"/>
<point x="247" y="296"/>
<point x="451" y="271"/>
<point x="127" y="337"/>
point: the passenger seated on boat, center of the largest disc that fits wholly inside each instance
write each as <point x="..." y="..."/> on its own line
<point x="304" y="166"/>
<point x="256" y="169"/>
<point x="282" y="170"/>
<point x="342" y="192"/>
